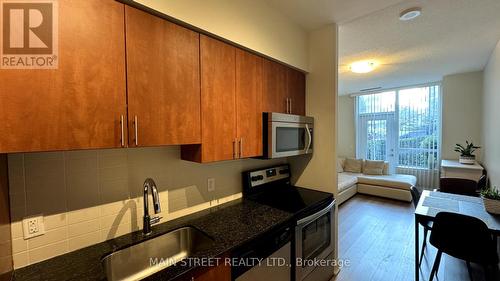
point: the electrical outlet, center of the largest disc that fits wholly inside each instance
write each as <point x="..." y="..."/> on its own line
<point x="33" y="226"/>
<point x="211" y="185"/>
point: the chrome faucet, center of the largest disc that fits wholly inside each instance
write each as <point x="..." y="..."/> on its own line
<point x="148" y="221"/>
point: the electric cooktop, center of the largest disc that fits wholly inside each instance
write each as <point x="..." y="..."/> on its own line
<point x="271" y="186"/>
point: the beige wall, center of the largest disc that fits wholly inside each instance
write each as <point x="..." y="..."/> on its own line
<point x="5" y="237"/>
<point x="462" y="111"/>
<point x="321" y="104"/>
<point x="253" y="24"/>
<point x="491" y="117"/>
<point x="319" y="171"/>
<point x="346" y="127"/>
<point x="90" y="196"/>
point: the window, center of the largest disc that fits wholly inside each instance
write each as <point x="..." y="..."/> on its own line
<point x="419" y="123"/>
<point x="402" y="127"/>
<point x="377" y="132"/>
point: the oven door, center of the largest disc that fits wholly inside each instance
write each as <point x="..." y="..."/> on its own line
<point x="314" y="240"/>
<point x="289" y="139"/>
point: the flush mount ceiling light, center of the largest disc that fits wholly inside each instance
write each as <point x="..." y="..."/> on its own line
<point x="410" y="14"/>
<point x="363" y="66"/>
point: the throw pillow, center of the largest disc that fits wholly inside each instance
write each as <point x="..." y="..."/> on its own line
<point x="340" y="168"/>
<point x="353" y="165"/>
<point x="386" y="168"/>
<point x="373" y="167"/>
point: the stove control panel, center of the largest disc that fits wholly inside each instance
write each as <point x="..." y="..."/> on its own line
<point x="268" y="175"/>
<point x="271" y="172"/>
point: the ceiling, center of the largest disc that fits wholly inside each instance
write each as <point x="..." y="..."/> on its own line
<point x="313" y="14"/>
<point x="451" y="36"/>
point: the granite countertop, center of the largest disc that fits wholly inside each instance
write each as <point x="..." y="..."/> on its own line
<point x="230" y="224"/>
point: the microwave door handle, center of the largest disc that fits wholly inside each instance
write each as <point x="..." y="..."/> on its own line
<point x="309" y="139"/>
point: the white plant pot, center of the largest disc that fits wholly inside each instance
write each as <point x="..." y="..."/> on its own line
<point x="468" y="160"/>
<point x="492" y="206"/>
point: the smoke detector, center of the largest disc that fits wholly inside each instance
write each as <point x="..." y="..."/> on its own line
<point x="410" y="14"/>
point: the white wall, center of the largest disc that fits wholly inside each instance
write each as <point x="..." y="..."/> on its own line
<point x="462" y="111"/>
<point x="491" y="117"/>
<point x="346" y="127"/>
<point x="253" y="24"/>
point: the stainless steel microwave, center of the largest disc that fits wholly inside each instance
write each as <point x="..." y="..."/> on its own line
<point x="287" y="135"/>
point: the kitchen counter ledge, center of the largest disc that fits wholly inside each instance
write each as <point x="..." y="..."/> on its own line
<point x="230" y="225"/>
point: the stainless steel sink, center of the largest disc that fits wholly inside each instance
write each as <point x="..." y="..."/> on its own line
<point x="144" y="259"/>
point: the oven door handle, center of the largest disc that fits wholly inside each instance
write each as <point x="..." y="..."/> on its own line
<point x="316" y="215"/>
<point x="309" y="138"/>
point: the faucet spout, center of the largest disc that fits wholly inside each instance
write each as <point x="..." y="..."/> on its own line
<point x="147" y="220"/>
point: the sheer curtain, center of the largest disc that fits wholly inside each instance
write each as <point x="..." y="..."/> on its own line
<point x="403" y="127"/>
<point x="376" y="123"/>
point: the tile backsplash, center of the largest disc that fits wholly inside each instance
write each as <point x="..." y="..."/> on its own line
<point x="87" y="197"/>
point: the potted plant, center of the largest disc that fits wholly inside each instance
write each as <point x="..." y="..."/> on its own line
<point x="466" y="152"/>
<point x="491" y="200"/>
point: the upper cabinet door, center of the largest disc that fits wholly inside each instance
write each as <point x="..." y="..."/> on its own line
<point x="275" y="98"/>
<point x="163" y="76"/>
<point x="296" y="84"/>
<point x="218" y="100"/>
<point x="249" y="103"/>
<point x="79" y="104"/>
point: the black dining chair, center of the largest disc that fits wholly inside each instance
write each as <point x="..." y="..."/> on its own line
<point x="427" y="225"/>
<point x="481" y="183"/>
<point x="458" y="186"/>
<point x="463" y="237"/>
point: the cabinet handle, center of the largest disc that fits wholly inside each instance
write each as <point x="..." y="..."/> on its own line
<point x="290" y="106"/>
<point x="286" y="105"/>
<point x="234" y="149"/>
<point x="122" y="135"/>
<point x="241" y="147"/>
<point x="136" y="125"/>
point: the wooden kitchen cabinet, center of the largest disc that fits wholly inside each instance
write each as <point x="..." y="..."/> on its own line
<point x="79" y="104"/>
<point x="275" y="87"/>
<point x="284" y="89"/>
<point x="163" y="76"/>
<point x="231" y="94"/>
<point x="296" y="84"/>
<point x="218" y="103"/>
<point x="126" y="78"/>
<point x="222" y="272"/>
<point x="249" y="72"/>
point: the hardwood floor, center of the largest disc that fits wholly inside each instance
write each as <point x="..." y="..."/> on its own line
<point x="376" y="236"/>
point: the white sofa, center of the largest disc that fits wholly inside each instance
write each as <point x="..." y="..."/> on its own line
<point x="394" y="186"/>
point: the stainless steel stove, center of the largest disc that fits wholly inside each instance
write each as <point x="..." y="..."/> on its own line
<point x="313" y="236"/>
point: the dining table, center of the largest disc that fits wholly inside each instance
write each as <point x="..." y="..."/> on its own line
<point x="433" y="202"/>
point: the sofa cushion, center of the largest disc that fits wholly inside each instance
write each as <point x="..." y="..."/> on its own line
<point x="353" y="165"/>
<point x="372" y="167"/>
<point x="394" y="181"/>
<point x="346" y="180"/>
